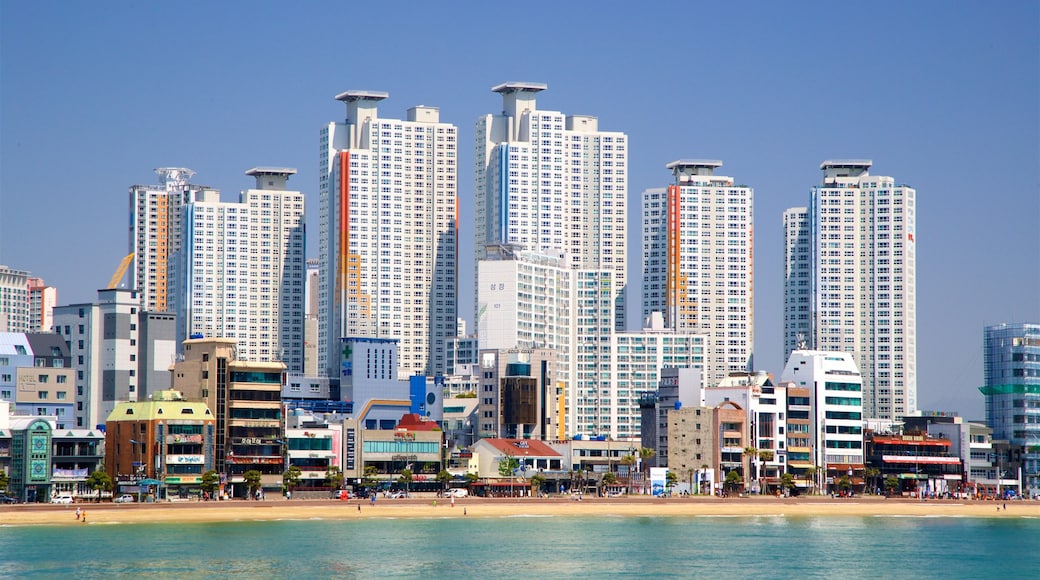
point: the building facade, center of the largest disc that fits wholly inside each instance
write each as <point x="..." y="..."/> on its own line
<point x="698" y="262"/>
<point x="243" y="269"/>
<point x="388" y="232"/>
<point x="42" y="300"/>
<point x="1011" y="369"/>
<point x="862" y="284"/>
<point x="553" y="184"/>
<point x="14" y="300"/>
<point x="119" y="351"/>
<point x="156" y="217"/>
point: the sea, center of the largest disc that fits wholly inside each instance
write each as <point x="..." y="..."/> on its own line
<point x="533" y="547"/>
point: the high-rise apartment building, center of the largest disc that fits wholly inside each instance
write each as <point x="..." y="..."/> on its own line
<point x="862" y="295"/>
<point x="698" y="262"/>
<point x="243" y="270"/>
<point x="14" y="300"/>
<point x="42" y="300"/>
<point x="554" y="184"/>
<point x="797" y="272"/>
<point x="1011" y="368"/>
<point x="388" y="233"/>
<point x="156" y="213"/>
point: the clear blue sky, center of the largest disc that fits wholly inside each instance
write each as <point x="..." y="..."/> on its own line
<point x="941" y="95"/>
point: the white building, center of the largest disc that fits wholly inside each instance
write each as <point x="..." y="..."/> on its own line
<point x="698" y="254"/>
<point x="766" y="407"/>
<point x="862" y="283"/>
<point x="554" y="184"/>
<point x="14" y="300"/>
<point x="836" y="408"/>
<point x="156" y="216"/>
<point x="388" y="229"/>
<point x="244" y="273"/>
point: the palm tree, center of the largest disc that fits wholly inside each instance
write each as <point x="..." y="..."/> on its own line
<point x="628" y="461"/>
<point x="871" y="474"/>
<point x="752" y="454"/>
<point x="787" y="482"/>
<point x="537" y="481"/>
<point x="645" y="455"/>
<point x="406" y="479"/>
<point x="704" y="468"/>
<point x="444" y="478"/>
<point x="811" y="472"/>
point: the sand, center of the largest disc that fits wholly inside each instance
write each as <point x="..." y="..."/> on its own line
<point x="226" y="511"/>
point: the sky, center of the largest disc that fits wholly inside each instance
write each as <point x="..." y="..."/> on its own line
<point x="942" y="96"/>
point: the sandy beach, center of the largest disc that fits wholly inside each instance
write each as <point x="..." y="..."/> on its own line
<point x="228" y="511"/>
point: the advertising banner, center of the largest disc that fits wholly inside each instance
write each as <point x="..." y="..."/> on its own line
<point x="658" y="477"/>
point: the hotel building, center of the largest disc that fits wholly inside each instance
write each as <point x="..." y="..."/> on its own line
<point x="553" y="184"/>
<point x="698" y="258"/>
<point x="388" y="233"/>
<point x="858" y="235"/>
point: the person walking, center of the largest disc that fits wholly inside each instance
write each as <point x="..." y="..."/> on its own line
<point x="79" y="513"/>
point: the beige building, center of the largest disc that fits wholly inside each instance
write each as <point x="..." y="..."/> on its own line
<point x="245" y="397"/>
<point x="705" y="444"/>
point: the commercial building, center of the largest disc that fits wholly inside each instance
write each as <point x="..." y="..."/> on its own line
<point x="518" y="397"/>
<point x="245" y="399"/>
<point x="553" y="184"/>
<point x="860" y="288"/>
<point x="156" y="233"/>
<point x="36" y="375"/>
<point x="241" y="269"/>
<point x="160" y="447"/>
<point x="119" y="351"/>
<point x="388" y="233"/>
<point x="1011" y="369"/>
<point x="698" y="262"/>
<point x="835" y="416"/>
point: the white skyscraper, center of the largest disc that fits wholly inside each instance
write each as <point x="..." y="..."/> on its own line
<point x="698" y="253"/>
<point x="244" y="270"/>
<point x="858" y="234"/>
<point x="388" y="233"/>
<point x="552" y="183"/>
<point x="14" y="300"/>
<point x="156" y="212"/>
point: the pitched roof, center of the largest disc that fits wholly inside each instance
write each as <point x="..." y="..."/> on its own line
<point x="413" y="422"/>
<point x="522" y="447"/>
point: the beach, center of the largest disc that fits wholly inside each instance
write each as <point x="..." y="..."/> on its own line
<point x="634" y="506"/>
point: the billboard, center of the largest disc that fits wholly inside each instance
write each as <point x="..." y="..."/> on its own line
<point x="658" y="478"/>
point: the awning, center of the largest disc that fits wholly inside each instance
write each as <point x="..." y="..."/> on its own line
<point x="799" y="464"/>
<point x="149" y="482"/>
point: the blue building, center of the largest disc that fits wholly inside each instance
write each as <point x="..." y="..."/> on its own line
<point x="1012" y="390"/>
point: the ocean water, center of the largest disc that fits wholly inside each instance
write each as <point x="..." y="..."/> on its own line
<point x="533" y="547"/>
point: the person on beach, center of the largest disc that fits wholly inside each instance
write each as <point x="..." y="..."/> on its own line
<point x="83" y="516"/>
<point x="79" y="512"/>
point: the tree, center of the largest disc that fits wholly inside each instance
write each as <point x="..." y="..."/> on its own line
<point x="291" y="478"/>
<point x="787" y="482"/>
<point x="752" y="455"/>
<point x="508" y="465"/>
<point x="844" y="484"/>
<point x="444" y="478"/>
<point x="891" y="484"/>
<point x="334" y="477"/>
<point x="369" y="475"/>
<point x="811" y="472"/>
<point x="609" y="478"/>
<point x="645" y="455"/>
<point x="252" y="479"/>
<point x="537" y="481"/>
<point x="628" y="461"/>
<point x="871" y="474"/>
<point x="210" y="482"/>
<point x="3" y="481"/>
<point x="99" y="481"/>
<point x="471" y="478"/>
<point x="704" y="473"/>
<point x="733" y="480"/>
<point x="405" y="478"/>
<point x="670" y="479"/>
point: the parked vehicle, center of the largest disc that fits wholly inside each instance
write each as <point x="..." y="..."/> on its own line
<point x="457" y="492"/>
<point x="4" y="498"/>
<point x="63" y="499"/>
<point x="125" y="498"/>
<point x="398" y="495"/>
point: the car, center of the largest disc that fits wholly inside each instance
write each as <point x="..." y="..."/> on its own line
<point x="62" y="499"/>
<point x="4" y="498"/>
<point x="125" y="498"/>
<point x="398" y="494"/>
<point x="457" y="492"/>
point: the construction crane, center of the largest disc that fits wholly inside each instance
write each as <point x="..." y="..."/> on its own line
<point x="120" y="271"/>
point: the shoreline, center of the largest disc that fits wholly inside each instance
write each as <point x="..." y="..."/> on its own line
<point x="470" y="507"/>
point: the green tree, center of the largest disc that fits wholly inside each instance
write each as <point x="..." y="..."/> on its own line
<point x="811" y="472"/>
<point x="334" y="477"/>
<point x="3" y="480"/>
<point x="444" y="478"/>
<point x="752" y="463"/>
<point x="508" y="465"/>
<point x="892" y="484"/>
<point x="369" y="475"/>
<point x="871" y="474"/>
<point x="787" y="482"/>
<point x="670" y="479"/>
<point x="99" y="481"/>
<point x="733" y="480"/>
<point x="628" y="461"/>
<point x="471" y="478"/>
<point x="291" y="478"/>
<point x="645" y="455"/>
<point x="252" y="479"/>
<point x="210" y="482"/>
<point x="609" y="478"/>
<point x="406" y="478"/>
<point x="537" y="481"/>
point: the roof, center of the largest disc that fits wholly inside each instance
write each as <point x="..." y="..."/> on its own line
<point x="413" y="422"/>
<point x="272" y="171"/>
<point x="694" y="163"/>
<point x="166" y="410"/>
<point x="846" y="163"/>
<point x="355" y="95"/>
<point x="522" y="447"/>
<point x="516" y="86"/>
